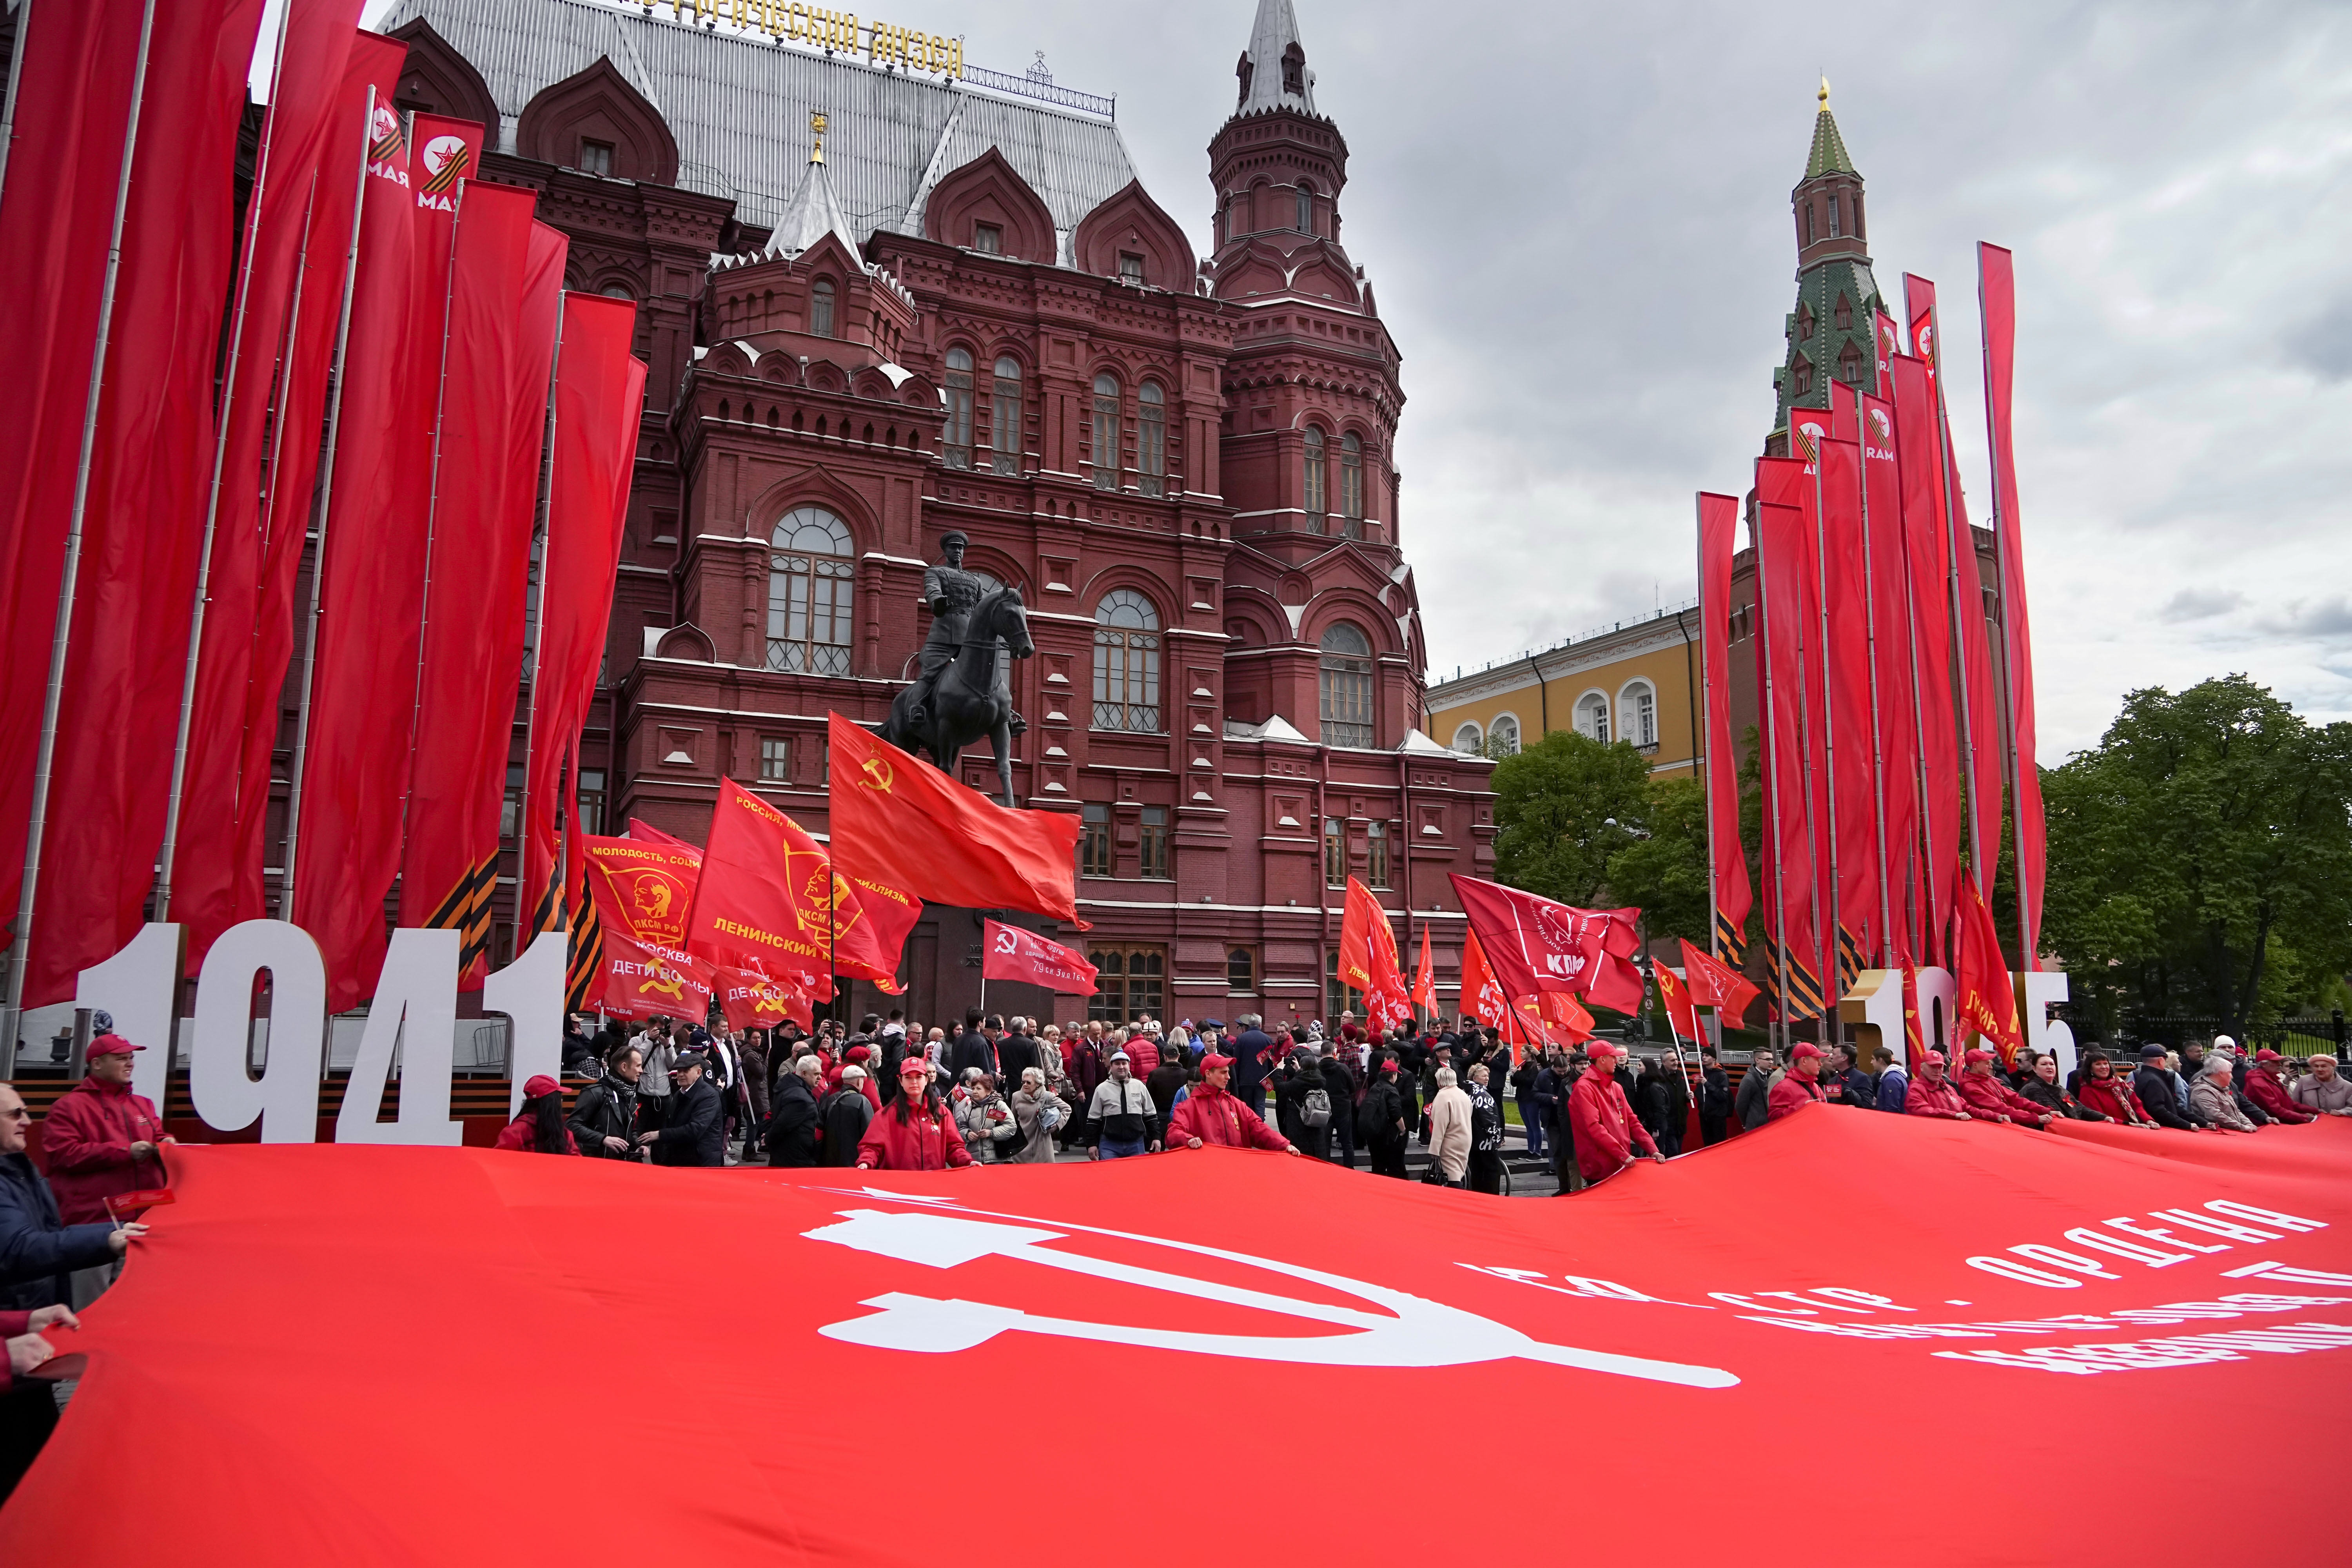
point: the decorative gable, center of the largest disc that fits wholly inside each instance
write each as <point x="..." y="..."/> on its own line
<point x="437" y="80"/>
<point x="595" y="117"/>
<point x="1130" y="235"/>
<point x="989" y="193"/>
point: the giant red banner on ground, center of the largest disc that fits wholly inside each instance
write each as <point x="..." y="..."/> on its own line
<point x="1982" y="1296"/>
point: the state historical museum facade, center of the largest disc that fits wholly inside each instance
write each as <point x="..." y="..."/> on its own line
<point x="1184" y="466"/>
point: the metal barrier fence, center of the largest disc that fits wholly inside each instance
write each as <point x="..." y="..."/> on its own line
<point x="2307" y="1035"/>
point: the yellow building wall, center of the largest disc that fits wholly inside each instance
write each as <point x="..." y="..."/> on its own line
<point x="1670" y="678"/>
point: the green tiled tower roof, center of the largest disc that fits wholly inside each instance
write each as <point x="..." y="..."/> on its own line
<point x="1828" y="155"/>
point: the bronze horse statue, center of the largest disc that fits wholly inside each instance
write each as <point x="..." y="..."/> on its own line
<point x="971" y="696"/>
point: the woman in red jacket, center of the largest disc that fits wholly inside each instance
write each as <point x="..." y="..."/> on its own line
<point x="538" y="1128"/>
<point x="2111" y="1096"/>
<point x="918" y="1132"/>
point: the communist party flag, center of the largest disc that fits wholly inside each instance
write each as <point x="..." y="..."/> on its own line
<point x="1997" y="297"/>
<point x="911" y="826"/>
<point x="1616" y="979"/>
<point x="747" y="905"/>
<point x="1482" y="994"/>
<point x="1531" y="943"/>
<point x="1368" y="957"/>
<point x="372" y="595"/>
<point x="1424" y="979"/>
<point x="1985" y="1001"/>
<point x="1010" y="953"/>
<point x="151" y="466"/>
<point x="599" y="395"/>
<point x="505" y="304"/>
<point x="1556" y="1016"/>
<point x="1894" y="639"/>
<point x="642" y="891"/>
<point x="752" y="999"/>
<point x="1927" y="552"/>
<point x="1713" y="983"/>
<point x="1718" y="524"/>
<point x="1675" y="997"/>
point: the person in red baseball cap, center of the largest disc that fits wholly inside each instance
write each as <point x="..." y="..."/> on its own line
<point x="2266" y="1086"/>
<point x="1933" y="1094"/>
<point x="1800" y="1085"/>
<point x="102" y="1140"/>
<point x="538" y="1127"/>
<point x="1607" y="1133"/>
<point x="1990" y="1098"/>
<point x="1212" y="1115"/>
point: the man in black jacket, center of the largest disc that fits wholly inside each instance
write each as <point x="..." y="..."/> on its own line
<point x="607" y="1109"/>
<point x="1853" y="1086"/>
<point x="1382" y="1121"/>
<point x="1753" y="1104"/>
<point x="1163" y="1082"/>
<point x="792" y="1129"/>
<point x="692" y="1136"/>
<point x="1714" y="1097"/>
<point x="844" y="1114"/>
<point x="1250" y="1047"/>
<point x="973" y="1048"/>
<point x="1018" y="1049"/>
<point x="2153" y="1084"/>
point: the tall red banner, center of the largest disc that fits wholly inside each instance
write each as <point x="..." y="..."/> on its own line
<point x="151" y="464"/>
<point x="1894" y="649"/>
<point x="73" y="106"/>
<point x="1368" y="957"/>
<point x="1425" y="978"/>
<point x="371" y="599"/>
<point x="1784" y="560"/>
<point x="1927" y="549"/>
<point x="505" y="301"/>
<point x="1998" y="301"/>
<point x="1985" y="998"/>
<point x="1846" y="666"/>
<point x="599" y="395"/>
<point x="282" y="332"/>
<point x="1009" y="952"/>
<point x="1718" y="525"/>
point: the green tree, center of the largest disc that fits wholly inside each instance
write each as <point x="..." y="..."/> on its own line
<point x="2198" y="856"/>
<point x="1562" y="807"/>
<point x="1666" y="872"/>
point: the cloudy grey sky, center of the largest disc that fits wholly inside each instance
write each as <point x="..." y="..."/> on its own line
<point x="1576" y="220"/>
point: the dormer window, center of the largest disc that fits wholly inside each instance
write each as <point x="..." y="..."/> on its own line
<point x="1305" y="208"/>
<point x="1843" y="314"/>
<point x="1294" y="71"/>
<point x="988" y="238"/>
<point x="1130" y="266"/>
<point x="1836" y="228"/>
<point x="1804" y="323"/>
<point x="595" y="157"/>
<point x="821" y="307"/>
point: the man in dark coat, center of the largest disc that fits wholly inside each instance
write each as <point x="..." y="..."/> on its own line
<point x="1753" y="1105"/>
<point x="1339" y="1082"/>
<point x="39" y="1251"/>
<point x="1162" y="1084"/>
<point x="973" y="1048"/>
<point x="607" y="1109"/>
<point x="1249" y="1052"/>
<point x="792" y="1129"/>
<point x="1018" y="1049"/>
<point x="1714" y="1097"/>
<point x="1523" y="1088"/>
<point x="1678" y="1105"/>
<point x="1853" y="1086"/>
<point x="1382" y="1121"/>
<point x="2153" y="1084"/>
<point x="844" y="1114"/>
<point x="693" y="1134"/>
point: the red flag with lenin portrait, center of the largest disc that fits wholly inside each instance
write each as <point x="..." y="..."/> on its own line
<point x="642" y="891"/>
<point x="908" y="825"/>
<point x="1010" y="953"/>
<point x="747" y="909"/>
<point x="1986" y="1001"/>
<point x="1368" y="958"/>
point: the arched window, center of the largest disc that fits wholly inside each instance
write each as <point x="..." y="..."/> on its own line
<point x="1306" y="207"/>
<point x="1106" y="432"/>
<point x="1637" y="715"/>
<point x="1294" y="70"/>
<point x="1151" y="438"/>
<point x="1592" y="717"/>
<point x="821" y="307"/>
<point x="809" y="581"/>
<point x="1503" y="737"/>
<point x="957" y="435"/>
<point x="1127" y="663"/>
<point x="1004" y="415"/>
<point x="1352" y="487"/>
<point x="1469" y="740"/>
<point x="1317" y="479"/>
<point x="1347" y="679"/>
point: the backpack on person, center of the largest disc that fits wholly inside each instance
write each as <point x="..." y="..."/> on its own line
<point x="1314" y="1110"/>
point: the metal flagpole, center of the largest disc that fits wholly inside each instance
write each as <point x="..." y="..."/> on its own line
<point x="326" y="490"/>
<point x="1877" y="745"/>
<point x="55" y="693"/>
<point x="1772" y="774"/>
<point x="1952" y="566"/>
<point x="16" y="79"/>
<point x="2018" y="762"/>
<point x="1833" y="980"/>
<point x="535" y="615"/>
<point x="220" y="457"/>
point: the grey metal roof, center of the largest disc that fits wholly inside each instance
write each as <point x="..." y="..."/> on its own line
<point x="739" y="105"/>
<point x="1273" y="32"/>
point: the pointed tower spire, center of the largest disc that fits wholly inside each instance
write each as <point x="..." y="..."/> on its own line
<point x="1828" y="155"/>
<point x="1273" y="70"/>
<point x="1829" y="334"/>
<point x="812" y="212"/>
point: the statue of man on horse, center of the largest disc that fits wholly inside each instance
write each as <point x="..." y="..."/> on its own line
<point x="963" y="692"/>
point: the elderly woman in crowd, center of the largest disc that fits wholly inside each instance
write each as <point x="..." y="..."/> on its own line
<point x="1449" y="1128"/>
<point x="1038" y="1111"/>
<point x="983" y="1117"/>
<point x="1486" y="1134"/>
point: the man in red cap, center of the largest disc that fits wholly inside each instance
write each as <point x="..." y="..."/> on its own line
<point x="1800" y="1085"/>
<point x="1211" y="1115"/>
<point x="1606" y="1129"/>
<point x="1933" y="1094"/>
<point x="1990" y="1099"/>
<point x="2266" y="1086"/>
<point x="101" y="1139"/>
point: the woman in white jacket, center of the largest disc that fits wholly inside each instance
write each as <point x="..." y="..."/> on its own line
<point x="1449" y="1128"/>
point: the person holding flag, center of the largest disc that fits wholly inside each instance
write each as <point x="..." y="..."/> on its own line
<point x="1605" y="1131"/>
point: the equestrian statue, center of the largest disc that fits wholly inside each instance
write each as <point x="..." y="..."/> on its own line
<point x="962" y="693"/>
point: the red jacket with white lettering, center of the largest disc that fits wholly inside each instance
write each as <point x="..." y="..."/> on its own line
<point x="2271" y="1095"/>
<point x="911" y="1138"/>
<point x="1213" y="1116"/>
<point x="1605" y="1128"/>
<point x="1939" y="1099"/>
<point x="1794" y="1090"/>
<point x="1988" y="1097"/>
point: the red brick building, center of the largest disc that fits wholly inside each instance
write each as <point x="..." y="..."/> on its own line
<point x="909" y="303"/>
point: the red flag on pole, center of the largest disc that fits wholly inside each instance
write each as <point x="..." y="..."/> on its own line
<point x="1928" y="549"/>
<point x="280" y="332"/>
<point x="1712" y="983"/>
<point x="1783" y="562"/>
<point x="150" y="467"/>
<point x="750" y="999"/>
<point x="1846" y="670"/>
<point x="1531" y="943"/>
<point x="1482" y="994"/>
<point x="752" y="905"/>
<point x="372" y="601"/>
<point x="1719" y="523"/>
<point x="909" y="826"/>
<point x="1555" y="1016"/>
<point x="642" y="891"/>
<point x="505" y="301"/>
<point x="1986" y="1001"/>
<point x="1368" y="958"/>
<point x="1009" y="952"/>
<point x="1998" y="301"/>
<point x="1675" y="998"/>
<point x="599" y="395"/>
<point x="1894" y="641"/>
<point x="1424" y="979"/>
